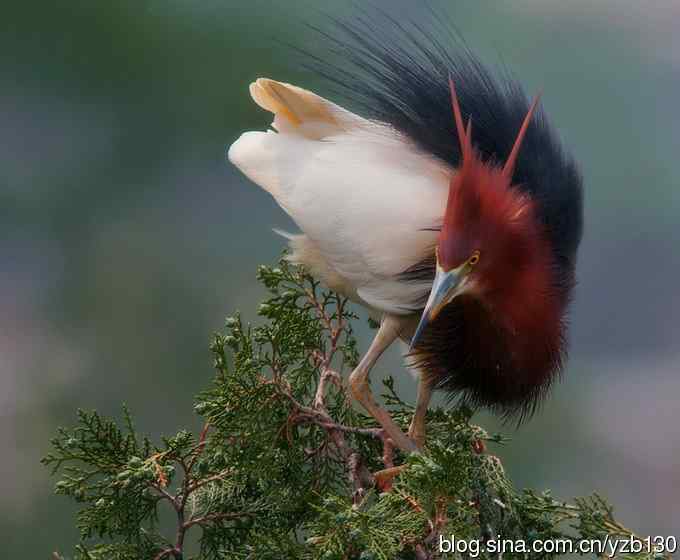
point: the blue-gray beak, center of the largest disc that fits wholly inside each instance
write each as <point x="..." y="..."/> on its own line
<point x="446" y="286"/>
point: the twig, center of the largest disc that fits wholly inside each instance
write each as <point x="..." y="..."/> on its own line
<point x="388" y="452"/>
<point x="329" y="425"/>
<point x="196" y="452"/>
<point x="164" y="494"/>
<point x="358" y="478"/>
<point x="204" y="481"/>
<point x="319" y="397"/>
<point x="318" y="414"/>
<point x="164" y="553"/>
<point x="421" y="553"/>
<point x="213" y="517"/>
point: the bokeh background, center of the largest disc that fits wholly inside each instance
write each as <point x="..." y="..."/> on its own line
<point x="125" y="237"/>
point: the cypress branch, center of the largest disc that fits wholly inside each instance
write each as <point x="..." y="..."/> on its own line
<point x="284" y="467"/>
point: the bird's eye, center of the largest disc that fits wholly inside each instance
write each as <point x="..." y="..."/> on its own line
<point x="474" y="259"/>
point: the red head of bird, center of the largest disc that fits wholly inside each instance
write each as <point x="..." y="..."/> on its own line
<point x="493" y="262"/>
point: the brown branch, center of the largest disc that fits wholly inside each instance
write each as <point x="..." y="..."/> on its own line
<point x="165" y="553"/>
<point x="320" y="395"/>
<point x="388" y="461"/>
<point x="311" y="296"/>
<point x="161" y="478"/>
<point x="181" y="532"/>
<point x="196" y="452"/>
<point x="373" y="432"/>
<point x="421" y="553"/>
<point x="164" y="494"/>
<point x="359" y="474"/>
<point x="204" y="481"/>
<point x="439" y="521"/>
<point x="358" y="478"/>
<point x="318" y="414"/>
<point x="388" y="452"/>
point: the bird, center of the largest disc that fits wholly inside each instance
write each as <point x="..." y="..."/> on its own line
<point x="449" y="209"/>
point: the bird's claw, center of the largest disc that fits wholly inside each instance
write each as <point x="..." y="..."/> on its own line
<point x="383" y="479"/>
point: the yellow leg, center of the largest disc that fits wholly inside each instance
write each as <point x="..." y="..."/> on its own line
<point x="383" y="479"/>
<point x="417" y="429"/>
<point x="358" y="381"/>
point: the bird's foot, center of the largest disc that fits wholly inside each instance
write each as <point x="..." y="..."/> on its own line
<point x="362" y="393"/>
<point x="383" y="479"/>
<point x="404" y="442"/>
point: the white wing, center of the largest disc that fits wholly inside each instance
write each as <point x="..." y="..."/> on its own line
<point x="361" y="192"/>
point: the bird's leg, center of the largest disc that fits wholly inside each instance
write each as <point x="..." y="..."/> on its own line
<point x="358" y="382"/>
<point x="416" y="430"/>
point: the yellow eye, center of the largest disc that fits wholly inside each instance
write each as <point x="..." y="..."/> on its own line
<point x="474" y="259"/>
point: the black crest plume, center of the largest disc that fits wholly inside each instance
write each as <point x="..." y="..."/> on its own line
<point x="398" y="73"/>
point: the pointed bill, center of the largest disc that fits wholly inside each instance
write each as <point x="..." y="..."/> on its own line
<point x="446" y="286"/>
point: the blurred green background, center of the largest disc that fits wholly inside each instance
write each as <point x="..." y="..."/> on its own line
<point x="125" y="237"/>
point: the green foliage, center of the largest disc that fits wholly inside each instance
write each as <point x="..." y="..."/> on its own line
<point x="284" y="465"/>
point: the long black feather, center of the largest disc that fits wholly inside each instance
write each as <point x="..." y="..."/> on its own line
<point x="398" y="74"/>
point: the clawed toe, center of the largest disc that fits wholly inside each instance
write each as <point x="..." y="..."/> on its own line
<point x="383" y="479"/>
